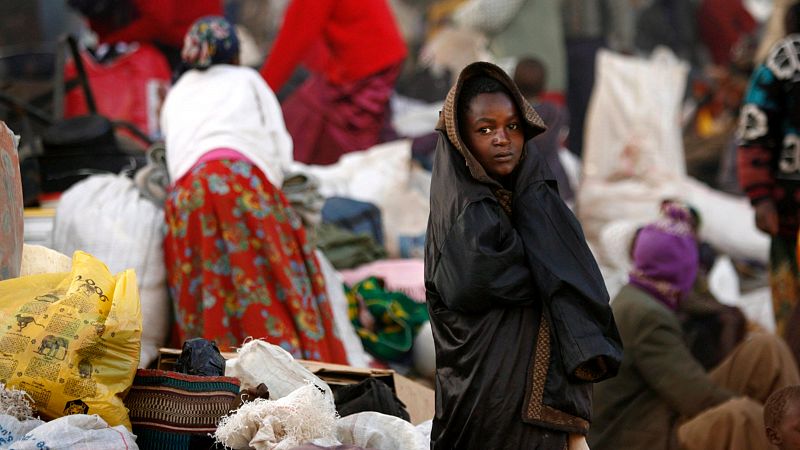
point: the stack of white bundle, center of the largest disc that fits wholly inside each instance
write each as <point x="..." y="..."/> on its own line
<point x="299" y="417"/>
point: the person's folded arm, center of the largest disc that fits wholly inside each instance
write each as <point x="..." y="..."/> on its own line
<point x="482" y="263"/>
<point x="668" y="367"/>
<point x="569" y="281"/>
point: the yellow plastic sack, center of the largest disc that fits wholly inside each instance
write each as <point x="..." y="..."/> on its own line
<point x="71" y="340"/>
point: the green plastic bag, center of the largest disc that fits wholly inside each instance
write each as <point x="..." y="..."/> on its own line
<point x="386" y="321"/>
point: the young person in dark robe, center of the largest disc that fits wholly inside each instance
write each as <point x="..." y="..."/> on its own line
<point x="769" y="169"/>
<point x="519" y="311"/>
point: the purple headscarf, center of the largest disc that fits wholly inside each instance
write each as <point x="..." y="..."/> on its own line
<point x="665" y="256"/>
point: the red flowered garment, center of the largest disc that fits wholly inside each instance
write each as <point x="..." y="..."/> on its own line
<point x="239" y="264"/>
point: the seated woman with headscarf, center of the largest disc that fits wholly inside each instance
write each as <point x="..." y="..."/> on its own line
<point x="237" y="258"/>
<point x="662" y="398"/>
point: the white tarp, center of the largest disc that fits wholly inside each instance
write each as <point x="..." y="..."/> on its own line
<point x="633" y="158"/>
<point x="633" y="153"/>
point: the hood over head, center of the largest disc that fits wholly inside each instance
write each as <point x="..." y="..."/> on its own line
<point x="533" y="124"/>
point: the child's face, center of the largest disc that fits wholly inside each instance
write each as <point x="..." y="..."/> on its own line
<point x="787" y="436"/>
<point x="493" y="133"/>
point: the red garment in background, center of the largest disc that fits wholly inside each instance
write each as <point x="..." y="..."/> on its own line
<point x="721" y="23"/>
<point x="361" y="38"/>
<point x="161" y="21"/>
<point x="327" y="120"/>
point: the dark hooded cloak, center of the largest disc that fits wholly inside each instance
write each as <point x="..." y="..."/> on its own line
<point x="518" y="307"/>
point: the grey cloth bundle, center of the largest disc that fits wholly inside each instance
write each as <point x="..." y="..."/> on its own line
<point x="152" y="180"/>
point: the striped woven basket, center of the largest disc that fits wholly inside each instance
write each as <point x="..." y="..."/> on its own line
<point x="169" y="409"/>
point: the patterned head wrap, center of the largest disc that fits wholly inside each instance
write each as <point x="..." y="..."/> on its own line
<point x="665" y="255"/>
<point x="210" y="40"/>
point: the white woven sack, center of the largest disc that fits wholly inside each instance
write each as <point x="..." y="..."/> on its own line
<point x="380" y="431"/>
<point x="13" y="429"/>
<point x="413" y="118"/>
<point x="723" y="282"/>
<point x="105" y="216"/>
<point x="78" y="431"/>
<point x="601" y="203"/>
<point x="634" y="157"/>
<point x="37" y="259"/>
<point x="633" y="153"/>
<point x="405" y="215"/>
<point x="259" y="362"/>
<point x="757" y="306"/>
<point x="613" y="253"/>
<point x="636" y="101"/>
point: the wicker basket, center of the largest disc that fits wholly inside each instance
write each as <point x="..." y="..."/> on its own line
<point x="169" y="410"/>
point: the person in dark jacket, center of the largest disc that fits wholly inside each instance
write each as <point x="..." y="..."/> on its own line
<point x="518" y="308"/>
<point x="768" y="160"/>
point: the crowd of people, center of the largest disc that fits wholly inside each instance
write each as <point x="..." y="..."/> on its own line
<point x="531" y="352"/>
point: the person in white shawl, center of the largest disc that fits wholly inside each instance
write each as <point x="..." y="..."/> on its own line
<point x="238" y="261"/>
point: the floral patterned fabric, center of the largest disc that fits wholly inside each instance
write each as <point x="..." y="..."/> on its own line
<point x="239" y="265"/>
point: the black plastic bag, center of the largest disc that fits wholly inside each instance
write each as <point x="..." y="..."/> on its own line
<point x="370" y="394"/>
<point x="200" y="357"/>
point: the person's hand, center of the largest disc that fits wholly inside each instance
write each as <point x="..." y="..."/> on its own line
<point x="578" y="442"/>
<point x="767" y="217"/>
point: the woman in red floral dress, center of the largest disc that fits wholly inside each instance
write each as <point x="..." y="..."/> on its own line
<point x="238" y="261"/>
